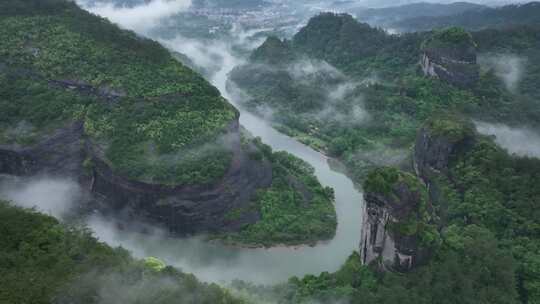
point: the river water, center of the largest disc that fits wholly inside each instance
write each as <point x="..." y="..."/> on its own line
<point x="214" y="262"/>
<point x="218" y="263"/>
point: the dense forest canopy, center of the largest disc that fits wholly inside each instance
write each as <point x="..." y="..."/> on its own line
<point x="353" y="91"/>
<point x="381" y="81"/>
<point x="43" y="261"/>
<point x="156" y="106"/>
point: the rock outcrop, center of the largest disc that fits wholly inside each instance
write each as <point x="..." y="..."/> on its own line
<point x="144" y="135"/>
<point x="59" y="153"/>
<point x="68" y="152"/>
<point x="397" y="233"/>
<point x="451" y="56"/>
<point x="190" y="208"/>
<point x="400" y="228"/>
<point x="437" y="142"/>
<point x="182" y="209"/>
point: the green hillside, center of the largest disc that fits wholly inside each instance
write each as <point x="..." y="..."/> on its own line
<point x="383" y="97"/>
<point x="137" y="101"/>
<point x="43" y="261"/>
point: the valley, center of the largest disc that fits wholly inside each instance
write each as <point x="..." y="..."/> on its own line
<point x="268" y="152"/>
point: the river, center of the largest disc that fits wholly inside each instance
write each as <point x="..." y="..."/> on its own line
<point x="214" y="262"/>
<point x="218" y="263"/>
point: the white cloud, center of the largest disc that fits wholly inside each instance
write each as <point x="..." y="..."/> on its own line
<point x="54" y="196"/>
<point x="140" y="18"/>
<point x="519" y="141"/>
<point x="509" y="68"/>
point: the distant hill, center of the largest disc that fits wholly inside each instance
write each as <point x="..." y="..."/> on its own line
<point x="231" y="4"/>
<point x="506" y="16"/>
<point x="389" y="15"/>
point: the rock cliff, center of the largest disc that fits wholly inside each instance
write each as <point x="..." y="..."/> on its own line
<point x="182" y="209"/>
<point x="451" y="56"/>
<point x="437" y="142"/>
<point x="397" y="232"/>
<point x="68" y="151"/>
<point x="400" y="228"/>
<point x="59" y="153"/>
<point x="189" y="208"/>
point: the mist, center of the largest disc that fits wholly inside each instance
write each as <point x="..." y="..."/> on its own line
<point x="332" y="97"/>
<point x="388" y="3"/>
<point x="214" y="262"/>
<point x="518" y="141"/>
<point x="140" y="18"/>
<point x="54" y="196"/>
<point x="507" y="67"/>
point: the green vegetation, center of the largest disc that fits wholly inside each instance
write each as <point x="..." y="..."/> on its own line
<point x="451" y="128"/>
<point x="154" y="263"/>
<point x="295" y="209"/>
<point x="461" y="265"/>
<point x="273" y="51"/>
<point x="450" y="37"/>
<point x="387" y="99"/>
<point x="402" y="188"/>
<point x="487" y="227"/>
<point x="488" y="249"/>
<point x="142" y="107"/>
<point x="500" y="193"/>
<point x="25" y="116"/>
<point x="382" y="180"/>
<point x="43" y="261"/>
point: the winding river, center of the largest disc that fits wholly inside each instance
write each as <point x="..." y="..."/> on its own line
<point x="218" y="263"/>
<point x="214" y="262"/>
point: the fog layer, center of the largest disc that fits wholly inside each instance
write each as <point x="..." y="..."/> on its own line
<point x="53" y="196"/>
<point x="507" y="67"/>
<point x="519" y="141"/>
<point x="139" y="18"/>
<point x="208" y="261"/>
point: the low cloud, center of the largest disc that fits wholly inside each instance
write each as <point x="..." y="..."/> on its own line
<point x="308" y="69"/>
<point x="518" y="141"/>
<point x="140" y="18"/>
<point x="53" y="196"/>
<point x="507" y="67"/>
<point x="342" y="102"/>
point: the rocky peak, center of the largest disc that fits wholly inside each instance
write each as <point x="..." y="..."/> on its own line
<point x="437" y="142"/>
<point x="450" y="55"/>
<point x="397" y="233"/>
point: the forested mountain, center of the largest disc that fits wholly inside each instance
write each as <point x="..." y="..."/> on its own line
<point x="448" y="214"/>
<point x="499" y="17"/>
<point x="367" y="97"/>
<point x="118" y="113"/>
<point x="389" y="16"/>
<point x="43" y="261"/>
<point x="485" y="244"/>
<point x="412" y="93"/>
<point x="380" y="92"/>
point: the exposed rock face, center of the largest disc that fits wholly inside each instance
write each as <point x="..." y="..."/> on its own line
<point x="60" y="153"/>
<point x="451" y="56"/>
<point x="187" y="209"/>
<point x="182" y="209"/>
<point x="436" y="143"/>
<point x="391" y="236"/>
